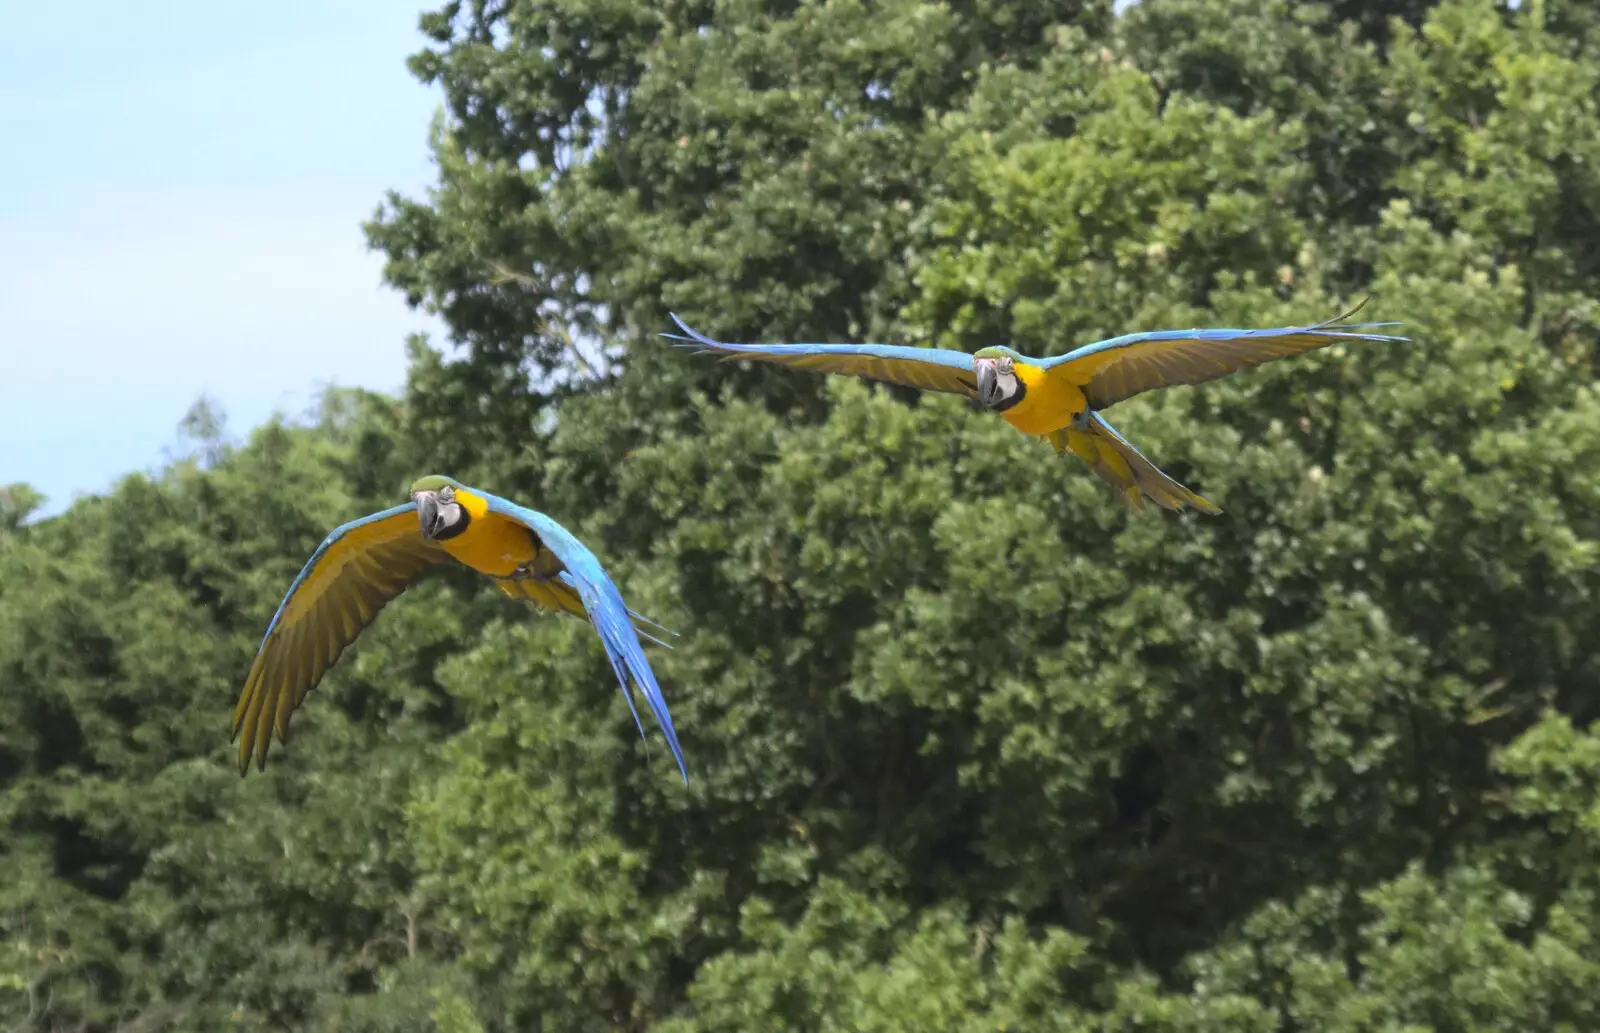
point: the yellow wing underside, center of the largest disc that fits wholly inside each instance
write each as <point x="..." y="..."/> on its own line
<point x="1117" y="374"/>
<point x="926" y="376"/>
<point x="354" y="578"/>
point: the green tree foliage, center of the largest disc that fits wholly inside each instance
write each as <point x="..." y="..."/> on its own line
<point x="971" y="747"/>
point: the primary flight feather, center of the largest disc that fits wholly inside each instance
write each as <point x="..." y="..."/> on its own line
<point x="1059" y="399"/>
<point x="364" y="564"/>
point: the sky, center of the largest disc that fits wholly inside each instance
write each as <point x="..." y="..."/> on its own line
<point x="181" y="199"/>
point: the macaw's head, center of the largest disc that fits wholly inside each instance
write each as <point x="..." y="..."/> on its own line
<point x="438" y="510"/>
<point x="999" y="387"/>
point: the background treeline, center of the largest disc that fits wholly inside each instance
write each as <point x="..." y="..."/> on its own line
<point x="972" y="748"/>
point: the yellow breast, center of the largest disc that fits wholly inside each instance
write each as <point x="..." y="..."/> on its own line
<point x="1049" y="403"/>
<point x="491" y="544"/>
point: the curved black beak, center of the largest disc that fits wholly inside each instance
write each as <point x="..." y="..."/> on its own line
<point x="988" y="385"/>
<point x="427" y="512"/>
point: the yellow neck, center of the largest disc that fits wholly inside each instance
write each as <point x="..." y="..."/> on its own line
<point x="1048" y="402"/>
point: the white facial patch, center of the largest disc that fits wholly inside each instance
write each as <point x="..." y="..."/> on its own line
<point x="1006" y="379"/>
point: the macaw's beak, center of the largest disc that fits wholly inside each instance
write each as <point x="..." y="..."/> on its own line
<point x="427" y="512"/>
<point x="988" y="385"/>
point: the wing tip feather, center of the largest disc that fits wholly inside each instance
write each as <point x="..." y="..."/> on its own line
<point x="693" y="334"/>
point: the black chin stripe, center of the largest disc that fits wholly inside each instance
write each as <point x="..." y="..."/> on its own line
<point x="1006" y="403"/>
<point x="457" y="527"/>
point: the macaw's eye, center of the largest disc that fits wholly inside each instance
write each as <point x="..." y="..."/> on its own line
<point x="1005" y="366"/>
<point x="447" y="494"/>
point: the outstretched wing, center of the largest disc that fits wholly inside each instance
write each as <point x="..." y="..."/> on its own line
<point x="931" y="369"/>
<point x="606" y="611"/>
<point x="1113" y="370"/>
<point x="354" y="572"/>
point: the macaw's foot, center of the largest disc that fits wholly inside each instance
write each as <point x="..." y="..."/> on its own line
<point x="527" y="573"/>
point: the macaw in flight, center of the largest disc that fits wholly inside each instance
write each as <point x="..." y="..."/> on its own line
<point x="363" y="564"/>
<point x="1060" y="399"/>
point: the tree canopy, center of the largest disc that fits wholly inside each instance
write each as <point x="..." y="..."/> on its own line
<point x="971" y="746"/>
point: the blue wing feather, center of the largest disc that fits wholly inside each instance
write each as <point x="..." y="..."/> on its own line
<point x="931" y="369"/>
<point x="1121" y="367"/>
<point x="572" y="583"/>
<point x="1351" y="331"/>
<point x="610" y="616"/>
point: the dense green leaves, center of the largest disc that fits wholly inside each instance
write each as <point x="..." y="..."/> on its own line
<point x="970" y="746"/>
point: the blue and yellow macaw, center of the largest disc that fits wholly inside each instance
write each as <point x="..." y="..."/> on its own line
<point x="363" y="564"/>
<point x="1059" y="399"/>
